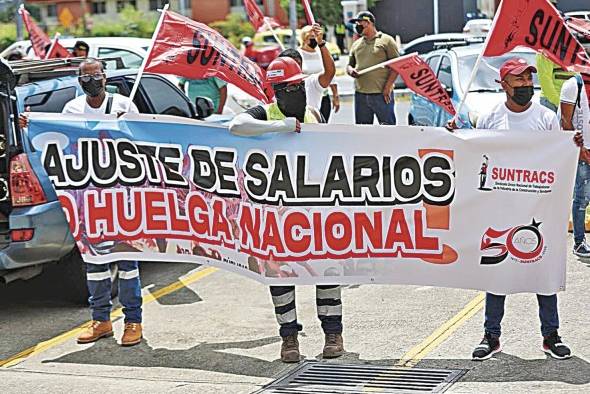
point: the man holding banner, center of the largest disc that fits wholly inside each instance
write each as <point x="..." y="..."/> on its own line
<point x="520" y="113"/>
<point x="285" y="115"/>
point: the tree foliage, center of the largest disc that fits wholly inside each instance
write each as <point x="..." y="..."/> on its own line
<point x="328" y="12"/>
<point x="234" y="28"/>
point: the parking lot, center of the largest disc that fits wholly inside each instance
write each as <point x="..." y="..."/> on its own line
<point x="200" y="337"/>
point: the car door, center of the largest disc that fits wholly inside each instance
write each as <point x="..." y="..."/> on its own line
<point x="445" y="76"/>
<point x="423" y="111"/>
<point x="130" y="59"/>
<point x="164" y="98"/>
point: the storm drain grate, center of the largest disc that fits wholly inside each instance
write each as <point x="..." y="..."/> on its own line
<point x="320" y="377"/>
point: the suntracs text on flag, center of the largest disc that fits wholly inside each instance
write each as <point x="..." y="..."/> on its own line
<point x="536" y="24"/>
<point x="190" y="49"/>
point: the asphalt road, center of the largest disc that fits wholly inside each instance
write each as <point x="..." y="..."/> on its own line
<point x="210" y="331"/>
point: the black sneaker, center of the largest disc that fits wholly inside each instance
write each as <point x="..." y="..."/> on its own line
<point x="489" y="345"/>
<point x="553" y="346"/>
<point x="582" y="250"/>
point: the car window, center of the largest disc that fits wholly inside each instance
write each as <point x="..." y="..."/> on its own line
<point x="164" y="98"/>
<point x="433" y="62"/>
<point x="53" y="101"/>
<point x="269" y="39"/>
<point x="130" y="59"/>
<point x="444" y="72"/>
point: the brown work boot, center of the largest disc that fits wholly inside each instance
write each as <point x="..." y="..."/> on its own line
<point x="334" y="346"/>
<point x="96" y="330"/>
<point x="132" y="334"/>
<point x="290" y="349"/>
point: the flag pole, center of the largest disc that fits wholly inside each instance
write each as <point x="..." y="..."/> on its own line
<point x="55" y="38"/>
<point x="274" y="34"/>
<point x="145" y="59"/>
<point x="476" y="65"/>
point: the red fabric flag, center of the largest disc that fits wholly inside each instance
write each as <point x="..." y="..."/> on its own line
<point x="536" y="24"/>
<point x="57" y="51"/>
<point x="190" y="49"/>
<point x="420" y="79"/>
<point x="580" y="25"/>
<point x="255" y="15"/>
<point x="308" y="13"/>
<point x="39" y="39"/>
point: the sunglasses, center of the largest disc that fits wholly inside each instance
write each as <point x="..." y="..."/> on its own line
<point x="292" y="88"/>
<point x="87" y="77"/>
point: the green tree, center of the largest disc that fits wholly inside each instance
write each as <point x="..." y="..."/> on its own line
<point x="329" y="12"/>
<point x="234" y="28"/>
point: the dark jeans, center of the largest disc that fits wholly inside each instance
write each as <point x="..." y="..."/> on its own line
<point x="495" y="312"/>
<point x="99" y="286"/>
<point x="326" y="108"/>
<point x="366" y="106"/>
<point x="581" y="199"/>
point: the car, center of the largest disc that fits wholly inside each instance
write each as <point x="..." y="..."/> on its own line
<point x="428" y="43"/>
<point x="33" y="228"/>
<point x="579" y="14"/>
<point x="131" y="50"/>
<point x="453" y="68"/>
<point x="266" y="38"/>
<point x="478" y="27"/>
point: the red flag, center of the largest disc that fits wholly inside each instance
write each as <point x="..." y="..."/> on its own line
<point x="190" y="49"/>
<point x="255" y="16"/>
<point x="57" y="50"/>
<point x="536" y="24"/>
<point x="580" y="25"/>
<point x="308" y="13"/>
<point x="420" y="79"/>
<point x="39" y="39"/>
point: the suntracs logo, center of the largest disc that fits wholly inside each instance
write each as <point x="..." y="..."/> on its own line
<point x="523" y="244"/>
<point x="512" y="179"/>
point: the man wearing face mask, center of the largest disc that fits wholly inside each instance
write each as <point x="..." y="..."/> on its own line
<point x="374" y="90"/>
<point x="286" y="115"/>
<point x="92" y="79"/>
<point x="520" y="113"/>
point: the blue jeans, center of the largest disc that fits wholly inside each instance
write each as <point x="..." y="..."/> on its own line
<point x="98" y="277"/>
<point x="495" y="312"/>
<point x="581" y="199"/>
<point x="366" y="106"/>
<point x="548" y="104"/>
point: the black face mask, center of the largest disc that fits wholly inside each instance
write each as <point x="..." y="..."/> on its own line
<point x="92" y="88"/>
<point x="292" y="104"/>
<point x="313" y="43"/>
<point x="359" y="29"/>
<point x="522" y="95"/>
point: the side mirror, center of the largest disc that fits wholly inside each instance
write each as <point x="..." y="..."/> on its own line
<point x="204" y="107"/>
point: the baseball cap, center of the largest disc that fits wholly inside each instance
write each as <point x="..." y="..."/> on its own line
<point x="81" y="45"/>
<point x="515" y="66"/>
<point x="363" y="16"/>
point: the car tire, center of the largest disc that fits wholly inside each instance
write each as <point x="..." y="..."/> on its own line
<point x="73" y="269"/>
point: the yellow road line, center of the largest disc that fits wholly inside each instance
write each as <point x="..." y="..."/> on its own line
<point x="117" y="313"/>
<point x="418" y="352"/>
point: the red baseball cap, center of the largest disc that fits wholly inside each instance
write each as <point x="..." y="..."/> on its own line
<point x="515" y="66"/>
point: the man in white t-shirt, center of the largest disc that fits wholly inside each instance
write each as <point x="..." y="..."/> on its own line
<point x="574" y="112"/>
<point x="92" y="79"/>
<point x="518" y="112"/>
<point x="315" y="83"/>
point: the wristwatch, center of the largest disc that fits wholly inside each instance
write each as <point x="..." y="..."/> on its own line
<point x="322" y="44"/>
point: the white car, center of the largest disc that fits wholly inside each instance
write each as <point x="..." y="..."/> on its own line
<point x="579" y="14"/>
<point x="131" y="50"/>
<point x="478" y="27"/>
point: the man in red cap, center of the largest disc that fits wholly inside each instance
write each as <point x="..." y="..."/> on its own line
<point x="286" y="115"/>
<point x="520" y="113"/>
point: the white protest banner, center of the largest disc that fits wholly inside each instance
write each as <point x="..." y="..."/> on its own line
<point x="334" y="204"/>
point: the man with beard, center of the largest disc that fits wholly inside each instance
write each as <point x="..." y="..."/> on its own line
<point x="286" y="115"/>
